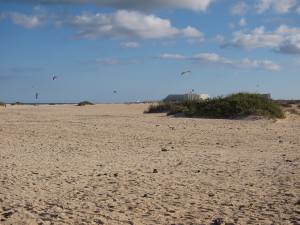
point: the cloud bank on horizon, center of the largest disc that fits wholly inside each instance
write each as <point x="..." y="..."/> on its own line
<point x="197" y="5"/>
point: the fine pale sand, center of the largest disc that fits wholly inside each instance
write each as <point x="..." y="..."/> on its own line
<point x="112" y="164"/>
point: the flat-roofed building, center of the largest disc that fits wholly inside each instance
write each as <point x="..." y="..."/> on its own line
<point x="186" y="97"/>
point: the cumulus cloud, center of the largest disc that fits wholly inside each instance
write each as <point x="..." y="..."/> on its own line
<point x="172" y="56"/>
<point x="215" y="59"/>
<point x="283" y="40"/>
<point x="196" y="5"/>
<point x="279" y="6"/>
<point x="220" y="39"/>
<point x="243" y="22"/>
<point x="126" y="24"/>
<point x="130" y="45"/>
<point x="117" y="61"/>
<point x="35" y="19"/>
<point x="26" y="21"/>
<point x="239" y="9"/>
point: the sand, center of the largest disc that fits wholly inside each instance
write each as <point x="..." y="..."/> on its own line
<point x="112" y="164"/>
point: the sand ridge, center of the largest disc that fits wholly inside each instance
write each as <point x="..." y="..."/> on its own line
<point x="65" y="164"/>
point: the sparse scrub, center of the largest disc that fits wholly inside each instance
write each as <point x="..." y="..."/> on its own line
<point x="293" y="111"/>
<point x="83" y="103"/>
<point x="170" y="108"/>
<point x="17" y="103"/>
<point x="233" y="106"/>
<point x="160" y="107"/>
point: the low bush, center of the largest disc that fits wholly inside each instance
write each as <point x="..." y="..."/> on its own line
<point x="83" y="103"/>
<point x="17" y="103"/>
<point x="233" y="106"/>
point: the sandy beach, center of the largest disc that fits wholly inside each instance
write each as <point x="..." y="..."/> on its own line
<point x="112" y="164"/>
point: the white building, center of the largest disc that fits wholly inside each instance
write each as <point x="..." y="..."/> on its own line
<point x="186" y="97"/>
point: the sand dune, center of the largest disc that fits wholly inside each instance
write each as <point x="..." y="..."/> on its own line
<point x="111" y="164"/>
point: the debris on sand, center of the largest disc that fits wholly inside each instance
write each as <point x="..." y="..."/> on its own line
<point x="7" y="214"/>
<point x="155" y="171"/>
<point x="211" y="194"/>
<point x="164" y="150"/>
<point x="217" y="221"/>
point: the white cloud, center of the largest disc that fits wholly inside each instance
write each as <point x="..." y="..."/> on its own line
<point x="117" y="61"/>
<point x="239" y="9"/>
<point x="279" y="6"/>
<point x="127" y="24"/>
<point x="196" y="5"/>
<point x="215" y="59"/>
<point x="297" y="61"/>
<point x="220" y="39"/>
<point x="243" y="22"/>
<point x="283" y="40"/>
<point x="130" y="45"/>
<point x="172" y="56"/>
<point x="258" y="64"/>
<point x="231" y="25"/>
<point x="211" y="58"/>
<point x="27" y="21"/>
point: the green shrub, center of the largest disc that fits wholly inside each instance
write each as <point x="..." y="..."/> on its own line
<point x="83" y="103"/>
<point x="235" y="106"/>
<point x="170" y="108"/>
<point x="160" y="107"/>
<point x="232" y="106"/>
<point x="17" y="103"/>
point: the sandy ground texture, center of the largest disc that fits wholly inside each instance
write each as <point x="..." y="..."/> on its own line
<point x="112" y="164"/>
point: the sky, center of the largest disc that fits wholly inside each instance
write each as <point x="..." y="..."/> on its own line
<point x="135" y="50"/>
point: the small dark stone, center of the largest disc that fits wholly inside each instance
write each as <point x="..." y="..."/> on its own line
<point x="98" y="221"/>
<point x="211" y="194"/>
<point x="241" y="207"/>
<point x="115" y="174"/>
<point x="155" y="171"/>
<point x="217" y="221"/>
<point x="7" y="214"/>
<point x="164" y="149"/>
<point x="145" y="195"/>
<point x="280" y="141"/>
<point x="298" y="202"/>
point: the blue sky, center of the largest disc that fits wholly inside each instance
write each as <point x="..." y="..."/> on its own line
<point x="139" y="48"/>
